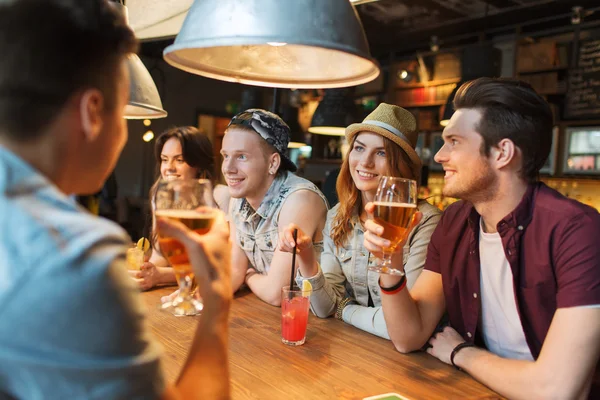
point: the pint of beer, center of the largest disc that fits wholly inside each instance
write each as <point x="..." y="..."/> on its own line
<point x="190" y="202"/>
<point x="395" y="205"/>
<point x="395" y="218"/>
<point x="200" y="221"/>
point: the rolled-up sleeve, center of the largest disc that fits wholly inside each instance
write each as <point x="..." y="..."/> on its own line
<point x="577" y="261"/>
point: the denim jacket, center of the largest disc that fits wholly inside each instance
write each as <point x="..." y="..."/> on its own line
<point x="257" y="232"/>
<point x="343" y="272"/>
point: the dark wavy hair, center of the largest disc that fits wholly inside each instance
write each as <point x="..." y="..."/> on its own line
<point x="197" y="151"/>
<point x="196" y="148"/>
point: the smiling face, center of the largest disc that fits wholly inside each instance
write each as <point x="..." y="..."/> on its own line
<point x="247" y="168"/>
<point x="368" y="161"/>
<point x="468" y="173"/>
<point x="172" y="164"/>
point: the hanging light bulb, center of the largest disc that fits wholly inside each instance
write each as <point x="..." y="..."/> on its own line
<point x="275" y="43"/>
<point x="148" y="136"/>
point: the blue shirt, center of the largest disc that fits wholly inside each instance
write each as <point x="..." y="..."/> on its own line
<point x="71" y="319"/>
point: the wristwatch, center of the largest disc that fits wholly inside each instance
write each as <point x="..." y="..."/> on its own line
<point x="339" y="312"/>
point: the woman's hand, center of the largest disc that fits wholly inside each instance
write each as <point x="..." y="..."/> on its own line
<point x="373" y="241"/>
<point x="148" y="276"/>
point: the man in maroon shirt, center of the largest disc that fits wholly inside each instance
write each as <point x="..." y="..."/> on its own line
<point x="515" y="265"/>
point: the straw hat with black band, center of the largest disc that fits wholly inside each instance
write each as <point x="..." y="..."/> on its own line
<point x="394" y="123"/>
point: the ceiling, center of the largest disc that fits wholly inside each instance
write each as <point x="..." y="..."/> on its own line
<point x="405" y="26"/>
<point x="401" y="27"/>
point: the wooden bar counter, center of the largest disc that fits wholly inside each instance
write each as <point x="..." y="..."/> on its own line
<point x="338" y="361"/>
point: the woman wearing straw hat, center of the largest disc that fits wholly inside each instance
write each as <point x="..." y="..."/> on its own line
<point x="383" y="144"/>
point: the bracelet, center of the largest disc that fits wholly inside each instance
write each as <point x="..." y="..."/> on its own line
<point x="456" y="350"/>
<point x="340" y="308"/>
<point x="397" y="288"/>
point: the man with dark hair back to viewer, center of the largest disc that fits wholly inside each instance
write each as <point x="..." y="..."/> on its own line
<point x="515" y="264"/>
<point x="265" y="197"/>
<point x="71" y="320"/>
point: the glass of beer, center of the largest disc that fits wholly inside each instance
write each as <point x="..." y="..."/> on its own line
<point x="395" y="205"/>
<point x="191" y="203"/>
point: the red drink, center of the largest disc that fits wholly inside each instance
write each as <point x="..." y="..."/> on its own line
<point x="294" y="317"/>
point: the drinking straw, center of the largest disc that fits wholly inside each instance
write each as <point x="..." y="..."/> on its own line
<point x="293" y="263"/>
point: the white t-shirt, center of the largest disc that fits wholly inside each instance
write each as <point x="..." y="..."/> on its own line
<point x="501" y="326"/>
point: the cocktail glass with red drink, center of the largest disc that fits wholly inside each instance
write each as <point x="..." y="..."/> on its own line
<point x="294" y="315"/>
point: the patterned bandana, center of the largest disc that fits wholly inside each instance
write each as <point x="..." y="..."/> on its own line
<point x="271" y="128"/>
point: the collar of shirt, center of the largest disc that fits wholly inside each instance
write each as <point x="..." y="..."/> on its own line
<point x="519" y="218"/>
<point x="268" y="202"/>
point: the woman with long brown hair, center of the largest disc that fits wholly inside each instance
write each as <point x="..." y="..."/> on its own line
<point x="181" y="153"/>
<point x="382" y="145"/>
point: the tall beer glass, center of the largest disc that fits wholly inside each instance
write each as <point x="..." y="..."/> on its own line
<point x="191" y="203"/>
<point x="395" y="206"/>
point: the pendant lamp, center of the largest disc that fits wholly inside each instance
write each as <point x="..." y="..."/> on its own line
<point x="333" y="114"/>
<point x="290" y="115"/>
<point x="275" y="43"/>
<point x="157" y="19"/>
<point x="144" y="100"/>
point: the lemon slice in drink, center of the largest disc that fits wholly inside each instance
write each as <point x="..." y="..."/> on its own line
<point x="143" y="244"/>
<point x="306" y="288"/>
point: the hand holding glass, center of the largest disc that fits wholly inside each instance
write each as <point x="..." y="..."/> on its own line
<point x="395" y="205"/>
<point x="189" y="202"/>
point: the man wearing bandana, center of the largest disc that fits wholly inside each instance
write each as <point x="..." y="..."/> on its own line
<point x="266" y="197"/>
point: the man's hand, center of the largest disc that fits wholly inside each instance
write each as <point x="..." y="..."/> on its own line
<point x="209" y="255"/>
<point x="443" y="343"/>
<point x="286" y="240"/>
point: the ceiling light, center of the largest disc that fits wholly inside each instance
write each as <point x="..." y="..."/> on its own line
<point x="241" y="41"/>
<point x="147" y="122"/>
<point x="333" y="115"/>
<point x="144" y="100"/>
<point x="405" y="75"/>
<point x="290" y="115"/>
<point x="357" y="2"/>
<point x="157" y="19"/>
<point x="148" y="136"/>
<point x="434" y="45"/>
<point x="296" y="145"/>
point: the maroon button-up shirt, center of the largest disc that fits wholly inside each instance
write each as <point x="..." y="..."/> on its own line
<point x="552" y="244"/>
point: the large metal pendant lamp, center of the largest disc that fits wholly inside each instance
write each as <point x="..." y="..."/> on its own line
<point x="144" y="100"/>
<point x="275" y="43"/>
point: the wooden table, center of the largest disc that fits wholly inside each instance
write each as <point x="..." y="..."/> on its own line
<point x="338" y="361"/>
